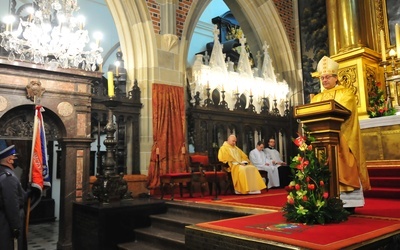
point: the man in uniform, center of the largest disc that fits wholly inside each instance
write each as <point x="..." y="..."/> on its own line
<point x="12" y="202"/>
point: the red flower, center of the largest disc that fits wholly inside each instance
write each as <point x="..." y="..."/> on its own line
<point x="297" y="186"/>
<point x="311" y="186"/>
<point x="300" y="167"/>
<point x="305" y="198"/>
<point x="321" y="183"/>
<point x="308" y="178"/>
<point x="289" y="188"/>
<point x="326" y="195"/>
<point x="299" y="140"/>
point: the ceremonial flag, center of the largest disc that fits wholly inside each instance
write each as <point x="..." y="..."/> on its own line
<point x="39" y="171"/>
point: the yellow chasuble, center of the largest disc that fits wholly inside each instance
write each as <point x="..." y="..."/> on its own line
<point x="351" y="160"/>
<point x="246" y="178"/>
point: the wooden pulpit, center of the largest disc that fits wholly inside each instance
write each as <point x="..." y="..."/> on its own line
<point x="323" y="120"/>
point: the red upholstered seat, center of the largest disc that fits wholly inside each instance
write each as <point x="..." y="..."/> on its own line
<point x="200" y="158"/>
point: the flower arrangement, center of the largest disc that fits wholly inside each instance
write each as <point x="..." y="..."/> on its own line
<point x="378" y="106"/>
<point x="308" y="199"/>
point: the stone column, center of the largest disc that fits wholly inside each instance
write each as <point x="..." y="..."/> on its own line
<point x="333" y="26"/>
<point x="75" y="160"/>
<point x="168" y="16"/>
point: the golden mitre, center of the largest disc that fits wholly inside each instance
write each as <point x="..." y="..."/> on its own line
<point x="327" y="66"/>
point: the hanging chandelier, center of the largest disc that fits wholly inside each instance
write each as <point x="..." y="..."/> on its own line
<point x="50" y="34"/>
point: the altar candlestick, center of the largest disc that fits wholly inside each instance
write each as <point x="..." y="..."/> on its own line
<point x="398" y="39"/>
<point x="110" y="77"/>
<point x="383" y="49"/>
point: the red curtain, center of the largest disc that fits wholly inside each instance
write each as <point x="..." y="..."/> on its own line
<point x="168" y="133"/>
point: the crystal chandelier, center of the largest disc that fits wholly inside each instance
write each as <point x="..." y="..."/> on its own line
<point x="50" y="34"/>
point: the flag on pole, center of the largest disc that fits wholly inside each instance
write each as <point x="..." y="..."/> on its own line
<point x="39" y="171"/>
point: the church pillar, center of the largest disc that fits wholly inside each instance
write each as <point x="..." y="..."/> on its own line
<point x="349" y="25"/>
<point x="168" y="16"/>
<point x="333" y="26"/>
<point x="74" y="169"/>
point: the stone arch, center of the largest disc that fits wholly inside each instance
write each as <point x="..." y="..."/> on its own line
<point x="17" y="123"/>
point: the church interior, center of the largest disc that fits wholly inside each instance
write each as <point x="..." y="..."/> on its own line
<point x="138" y="97"/>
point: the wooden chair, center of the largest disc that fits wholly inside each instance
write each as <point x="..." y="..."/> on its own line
<point x="172" y="179"/>
<point x="209" y="172"/>
<point x="229" y="180"/>
<point x="264" y="174"/>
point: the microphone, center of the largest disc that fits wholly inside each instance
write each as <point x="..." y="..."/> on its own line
<point x="295" y="93"/>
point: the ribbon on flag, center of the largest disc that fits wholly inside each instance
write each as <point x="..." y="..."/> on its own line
<point x="39" y="170"/>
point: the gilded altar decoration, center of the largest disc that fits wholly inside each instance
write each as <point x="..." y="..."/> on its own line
<point x="377" y="104"/>
<point x="308" y="199"/>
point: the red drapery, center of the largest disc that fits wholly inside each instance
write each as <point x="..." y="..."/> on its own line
<point x="168" y="133"/>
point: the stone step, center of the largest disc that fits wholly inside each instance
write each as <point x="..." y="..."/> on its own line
<point x="173" y="222"/>
<point x="207" y="212"/>
<point x="167" y="230"/>
<point x="389" y="182"/>
<point x="384" y="171"/>
<point x="385" y="193"/>
<point x="165" y="239"/>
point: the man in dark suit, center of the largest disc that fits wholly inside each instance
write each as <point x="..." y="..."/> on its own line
<point x="12" y="202"/>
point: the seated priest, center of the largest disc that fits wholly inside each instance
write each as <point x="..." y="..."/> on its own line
<point x="245" y="176"/>
<point x="274" y="157"/>
<point x="260" y="160"/>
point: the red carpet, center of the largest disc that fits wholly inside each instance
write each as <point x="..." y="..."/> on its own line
<point x="276" y="198"/>
<point x="274" y="227"/>
<point x="377" y="218"/>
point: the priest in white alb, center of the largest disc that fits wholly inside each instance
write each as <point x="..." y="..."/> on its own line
<point x="259" y="159"/>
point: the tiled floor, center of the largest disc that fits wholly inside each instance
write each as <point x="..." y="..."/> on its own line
<point x="43" y="236"/>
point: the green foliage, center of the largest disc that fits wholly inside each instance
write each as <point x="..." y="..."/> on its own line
<point x="308" y="198"/>
<point x="378" y="105"/>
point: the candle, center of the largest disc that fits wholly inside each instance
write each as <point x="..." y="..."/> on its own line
<point x="116" y="70"/>
<point x="157" y="151"/>
<point x="392" y="53"/>
<point x="208" y="85"/>
<point x="222" y="88"/>
<point x="183" y="150"/>
<point x="110" y="83"/>
<point x="251" y="93"/>
<point x="237" y="89"/>
<point x="398" y="39"/>
<point x="383" y="46"/>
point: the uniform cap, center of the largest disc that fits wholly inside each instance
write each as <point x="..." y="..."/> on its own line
<point x="7" y="152"/>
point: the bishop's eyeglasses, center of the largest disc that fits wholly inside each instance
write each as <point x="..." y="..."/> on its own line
<point x="327" y="77"/>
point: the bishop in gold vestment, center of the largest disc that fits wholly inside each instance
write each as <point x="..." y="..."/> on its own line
<point x="353" y="173"/>
<point x="246" y="177"/>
